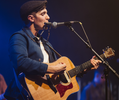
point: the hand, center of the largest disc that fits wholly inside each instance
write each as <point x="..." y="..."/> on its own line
<point x="95" y="63"/>
<point x="61" y="67"/>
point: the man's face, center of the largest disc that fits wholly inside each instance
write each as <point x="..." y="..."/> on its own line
<point x="100" y="80"/>
<point x="40" y="18"/>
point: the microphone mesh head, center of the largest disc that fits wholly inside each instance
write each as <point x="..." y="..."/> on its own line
<point x="54" y="24"/>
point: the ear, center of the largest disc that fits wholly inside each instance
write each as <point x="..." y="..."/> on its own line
<point x="31" y="18"/>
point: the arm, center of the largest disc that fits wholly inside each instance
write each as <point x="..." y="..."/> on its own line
<point x="20" y="60"/>
<point x="57" y="68"/>
<point x="18" y="54"/>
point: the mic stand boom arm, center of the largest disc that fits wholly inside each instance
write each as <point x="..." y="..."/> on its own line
<point x="97" y="55"/>
<point x="90" y="47"/>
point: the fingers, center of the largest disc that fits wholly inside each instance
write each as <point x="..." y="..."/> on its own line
<point x="62" y="65"/>
<point x="95" y="63"/>
<point x="93" y="57"/>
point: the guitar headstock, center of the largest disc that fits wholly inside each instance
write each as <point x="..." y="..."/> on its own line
<point x="109" y="52"/>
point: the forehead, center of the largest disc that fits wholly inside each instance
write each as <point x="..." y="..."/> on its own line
<point x="41" y="11"/>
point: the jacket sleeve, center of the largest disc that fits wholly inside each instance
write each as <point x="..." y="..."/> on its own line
<point x="18" y="54"/>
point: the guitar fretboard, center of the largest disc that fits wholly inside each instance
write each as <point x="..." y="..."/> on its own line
<point x="82" y="67"/>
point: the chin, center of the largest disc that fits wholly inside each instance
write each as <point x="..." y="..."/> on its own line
<point x="38" y="29"/>
<point x="41" y="29"/>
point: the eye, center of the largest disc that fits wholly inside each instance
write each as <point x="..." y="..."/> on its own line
<point x="43" y="13"/>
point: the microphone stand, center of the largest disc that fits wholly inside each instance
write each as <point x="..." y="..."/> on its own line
<point x="106" y="73"/>
<point x="97" y="55"/>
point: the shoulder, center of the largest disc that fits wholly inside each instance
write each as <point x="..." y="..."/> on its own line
<point x="19" y="35"/>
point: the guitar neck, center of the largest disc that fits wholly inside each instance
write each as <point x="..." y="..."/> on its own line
<point x="82" y="67"/>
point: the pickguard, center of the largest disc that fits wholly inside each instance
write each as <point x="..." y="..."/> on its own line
<point x="62" y="89"/>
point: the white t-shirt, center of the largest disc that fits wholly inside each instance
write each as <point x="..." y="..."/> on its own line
<point x="45" y="54"/>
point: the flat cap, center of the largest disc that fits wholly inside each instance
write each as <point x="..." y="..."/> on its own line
<point x="31" y="6"/>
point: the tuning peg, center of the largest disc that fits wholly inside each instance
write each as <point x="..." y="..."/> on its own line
<point x="107" y="48"/>
<point x="113" y="50"/>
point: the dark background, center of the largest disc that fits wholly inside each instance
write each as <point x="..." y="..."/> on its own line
<point x="100" y="19"/>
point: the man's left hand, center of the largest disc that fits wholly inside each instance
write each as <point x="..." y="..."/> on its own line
<point x="95" y="62"/>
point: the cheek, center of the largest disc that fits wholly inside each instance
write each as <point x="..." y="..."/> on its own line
<point x="41" y="18"/>
<point x="41" y="21"/>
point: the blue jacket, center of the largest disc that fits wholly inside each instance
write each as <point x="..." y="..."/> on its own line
<point x="25" y="54"/>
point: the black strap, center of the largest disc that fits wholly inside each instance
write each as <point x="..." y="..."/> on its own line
<point x="51" y="85"/>
<point x="54" y="51"/>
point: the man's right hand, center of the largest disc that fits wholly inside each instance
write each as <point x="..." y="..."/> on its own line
<point x="57" y="68"/>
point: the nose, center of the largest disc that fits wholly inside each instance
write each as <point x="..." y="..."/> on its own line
<point x="47" y="17"/>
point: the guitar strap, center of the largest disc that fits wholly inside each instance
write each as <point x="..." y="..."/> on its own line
<point x="51" y="85"/>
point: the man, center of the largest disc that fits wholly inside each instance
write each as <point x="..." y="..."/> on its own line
<point x="30" y="53"/>
<point x="3" y="87"/>
<point x="96" y="89"/>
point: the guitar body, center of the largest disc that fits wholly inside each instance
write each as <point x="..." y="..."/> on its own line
<point x="65" y="84"/>
<point x="40" y="90"/>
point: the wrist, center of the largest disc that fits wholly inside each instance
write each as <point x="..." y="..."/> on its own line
<point x="51" y="69"/>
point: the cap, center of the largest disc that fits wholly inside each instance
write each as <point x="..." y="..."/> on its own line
<point x="31" y="6"/>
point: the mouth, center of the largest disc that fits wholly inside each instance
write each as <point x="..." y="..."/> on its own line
<point x="45" y="26"/>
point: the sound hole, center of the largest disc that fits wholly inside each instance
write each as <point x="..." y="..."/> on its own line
<point x="64" y="77"/>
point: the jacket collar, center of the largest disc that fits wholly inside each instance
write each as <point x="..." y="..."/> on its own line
<point x="28" y="31"/>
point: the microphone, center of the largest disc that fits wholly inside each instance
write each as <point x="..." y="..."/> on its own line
<point x="56" y="24"/>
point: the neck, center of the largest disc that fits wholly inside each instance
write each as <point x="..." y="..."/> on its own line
<point x="33" y="30"/>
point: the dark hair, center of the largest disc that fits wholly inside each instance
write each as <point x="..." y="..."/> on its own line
<point x="26" y="21"/>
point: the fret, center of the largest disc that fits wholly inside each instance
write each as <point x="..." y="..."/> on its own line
<point x="82" y="67"/>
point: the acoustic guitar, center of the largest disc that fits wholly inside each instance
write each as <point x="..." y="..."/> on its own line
<point x="59" y="87"/>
